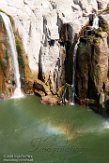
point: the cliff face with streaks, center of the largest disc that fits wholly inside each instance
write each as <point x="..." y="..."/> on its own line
<point x="39" y="25"/>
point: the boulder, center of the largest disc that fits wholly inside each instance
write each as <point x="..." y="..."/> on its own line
<point x="40" y="88"/>
<point x="27" y="87"/>
<point x="50" y="100"/>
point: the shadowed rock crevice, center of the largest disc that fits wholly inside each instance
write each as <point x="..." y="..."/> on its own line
<point x="40" y="76"/>
<point x="66" y="38"/>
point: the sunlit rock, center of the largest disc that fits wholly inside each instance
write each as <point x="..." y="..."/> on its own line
<point x="50" y="100"/>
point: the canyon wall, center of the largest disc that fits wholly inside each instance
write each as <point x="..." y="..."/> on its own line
<point x="39" y="24"/>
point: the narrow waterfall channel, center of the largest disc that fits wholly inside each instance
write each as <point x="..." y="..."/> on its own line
<point x="95" y="23"/>
<point x="11" y="40"/>
<point x="73" y="75"/>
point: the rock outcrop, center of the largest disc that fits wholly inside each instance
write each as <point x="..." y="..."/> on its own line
<point x="92" y="67"/>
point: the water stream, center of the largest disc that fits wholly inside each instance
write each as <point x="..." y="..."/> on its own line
<point x="95" y="23"/>
<point x="73" y="76"/>
<point x="11" y="40"/>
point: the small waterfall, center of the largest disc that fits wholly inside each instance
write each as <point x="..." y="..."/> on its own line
<point x="72" y="89"/>
<point x="11" y="39"/>
<point x="95" y="22"/>
<point x="68" y="95"/>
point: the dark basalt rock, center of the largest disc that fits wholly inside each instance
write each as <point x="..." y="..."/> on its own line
<point x="92" y="68"/>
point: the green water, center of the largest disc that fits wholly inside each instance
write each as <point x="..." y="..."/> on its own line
<point x="31" y="132"/>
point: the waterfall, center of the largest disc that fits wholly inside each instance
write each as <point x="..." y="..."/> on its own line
<point x="72" y="89"/>
<point x="68" y="95"/>
<point x="11" y="40"/>
<point x="95" y="22"/>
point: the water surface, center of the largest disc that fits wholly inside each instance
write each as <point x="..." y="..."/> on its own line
<point x="58" y="134"/>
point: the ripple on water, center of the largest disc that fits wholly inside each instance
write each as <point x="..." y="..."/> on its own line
<point x="106" y="125"/>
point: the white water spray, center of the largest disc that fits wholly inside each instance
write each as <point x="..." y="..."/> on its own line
<point x="106" y="125"/>
<point x="95" y="22"/>
<point x="11" y="40"/>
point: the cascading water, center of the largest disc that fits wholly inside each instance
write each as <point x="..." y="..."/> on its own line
<point x="95" y="23"/>
<point x="72" y="89"/>
<point x="18" y="93"/>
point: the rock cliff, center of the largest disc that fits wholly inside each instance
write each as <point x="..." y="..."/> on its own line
<point x="39" y="23"/>
<point x="92" y="66"/>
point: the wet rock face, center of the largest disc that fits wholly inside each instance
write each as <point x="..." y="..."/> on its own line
<point x="82" y="69"/>
<point x="100" y="62"/>
<point x="92" y="66"/>
<point x="7" y="78"/>
<point x="7" y="84"/>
